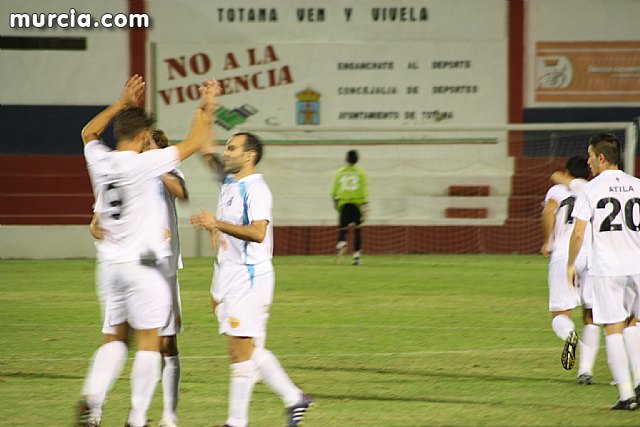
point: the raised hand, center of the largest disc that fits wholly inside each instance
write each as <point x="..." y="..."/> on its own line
<point x="208" y="93"/>
<point x="133" y="91"/>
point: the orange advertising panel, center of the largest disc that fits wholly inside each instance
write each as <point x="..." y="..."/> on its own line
<point x="587" y="72"/>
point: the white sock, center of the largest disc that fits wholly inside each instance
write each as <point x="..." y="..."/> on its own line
<point x="240" y="390"/>
<point x="258" y="342"/>
<point x="275" y="377"/>
<point x="589" y="345"/>
<point x="562" y="325"/>
<point x="619" y="365"/>
<point x="170" y="386"/>
<point x="145" y="374"/>
<point x="632" y="344"/>
<point x="105" y="369"/>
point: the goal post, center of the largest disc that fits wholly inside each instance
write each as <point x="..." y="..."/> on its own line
<point x="296" y="133"/>
<point x="447" y="189"/>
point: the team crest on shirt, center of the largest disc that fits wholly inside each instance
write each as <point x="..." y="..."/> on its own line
<point x="234" y="322"/>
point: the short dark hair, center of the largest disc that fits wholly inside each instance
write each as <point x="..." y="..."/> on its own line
<point x="160" y="138"/>
<point x="129" y="121"/>
<point x="352" y="157"/>
<point x="252" y="143"/>
<point x="608" y="145"/>
<point x="578" y="167"/>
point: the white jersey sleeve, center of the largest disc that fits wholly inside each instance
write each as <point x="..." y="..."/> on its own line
<point x="583" y="206"/>
<point x="555" y="193"/>
<point x="577" y="185"/>
<point x="564" y="216"/>
<point x="153" y="163"/>
<point x="95" y="152"/>
<point x="259" y="201"/>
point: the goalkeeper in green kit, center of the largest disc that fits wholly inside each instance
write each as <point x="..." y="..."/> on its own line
<point x="350" y="198"/>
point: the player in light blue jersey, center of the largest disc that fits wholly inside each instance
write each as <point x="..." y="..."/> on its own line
<point x="243" y="284"/>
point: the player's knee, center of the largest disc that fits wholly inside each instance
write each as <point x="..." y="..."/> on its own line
<point x="260" y="354"/>
<point x="169" y="345"/>
<point x="246" y="369"/>
<point x="118" y="336"/>
<point x="107" y="338"/>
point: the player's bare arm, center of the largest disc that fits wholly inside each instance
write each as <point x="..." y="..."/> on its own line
<point x="175" y="185"/>
<point x="201" y="129"/>
<point x="206" y="221"/>
<point x="254" y="232"/>
<point x="575" y="243"/>
<point x="131" y="95"/>
<point x="548" y="222"/>
<point x="213" y="159"/>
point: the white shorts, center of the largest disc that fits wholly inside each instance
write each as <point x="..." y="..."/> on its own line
<point x="101" y="286"/>
<point x="174" y="326"/>
<point x="615" y="298"/>
<point x="136" y="294"/>
<point x="585" y="289"/>
<point x="562" y="295"/>
<point x="244" y="294"/>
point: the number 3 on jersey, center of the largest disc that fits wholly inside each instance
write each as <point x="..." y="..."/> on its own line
<point x="113" y="197"/>
<point x="628" y="214"/>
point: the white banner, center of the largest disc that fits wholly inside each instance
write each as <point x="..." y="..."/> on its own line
<point x="327" y="20"/>
<point x="333" y="85"/>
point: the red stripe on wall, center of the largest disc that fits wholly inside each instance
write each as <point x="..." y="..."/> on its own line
<point x="516" y="60"/>
<point x="137" y="42"/>
<point x="516" y="70"/>
<point x="44" y="190"/>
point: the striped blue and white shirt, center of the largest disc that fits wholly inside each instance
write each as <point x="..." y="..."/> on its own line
<point x="241" y="203"/>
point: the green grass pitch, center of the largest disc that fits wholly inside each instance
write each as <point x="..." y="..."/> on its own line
<point x="417" y="340"/>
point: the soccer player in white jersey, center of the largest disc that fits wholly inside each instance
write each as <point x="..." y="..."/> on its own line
<point x="172" y="186"/>
<point x="242" y="288"/>
<point x="135" y="249"/>
<point x="558" y="219"/>
<point x="611" y="202"/>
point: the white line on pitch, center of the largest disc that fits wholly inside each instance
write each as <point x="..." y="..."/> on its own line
<point x="327" y="355"/>
<point x="334" y="326"/>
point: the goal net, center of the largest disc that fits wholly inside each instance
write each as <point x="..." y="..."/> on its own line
<point x="476" y="190"/>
